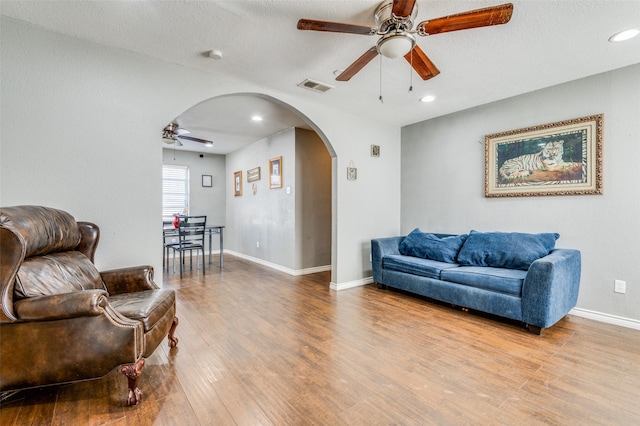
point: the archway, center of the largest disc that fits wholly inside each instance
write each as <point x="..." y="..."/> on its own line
<point x="225" y="119"/>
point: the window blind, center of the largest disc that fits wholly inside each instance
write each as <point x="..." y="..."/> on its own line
<point x="175" y="191"/>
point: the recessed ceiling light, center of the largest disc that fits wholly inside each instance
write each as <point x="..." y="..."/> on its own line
<point x="428" y="98"/>
<point x="256" y="118"/>
<point x="624" y="35"/>
<point x="208" y="144"/>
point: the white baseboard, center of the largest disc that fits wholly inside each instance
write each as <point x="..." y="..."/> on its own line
<point x="350" y="284"/>
<point x="294" y="272"/>
<point x="608" y="318"/>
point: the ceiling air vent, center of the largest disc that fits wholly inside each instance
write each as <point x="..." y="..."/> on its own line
<point x="316" y="86"/>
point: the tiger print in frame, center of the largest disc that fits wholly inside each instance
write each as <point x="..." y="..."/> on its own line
<point x="579" y="174"/>
<point x="549" y="158"/>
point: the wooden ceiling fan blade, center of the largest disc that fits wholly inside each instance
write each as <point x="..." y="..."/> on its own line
<point x="335" y="27"/>
<point x="495" y="15"/>
<point x="421" y="63"/>
<point x="402" y="8"/>
<point x="358" y="64"/>
<point x="191" y="138"/>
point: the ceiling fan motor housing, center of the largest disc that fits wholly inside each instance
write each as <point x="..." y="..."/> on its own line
<point x="386" y="21"/>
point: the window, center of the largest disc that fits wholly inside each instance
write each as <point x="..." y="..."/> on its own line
<point x="175" y="191"/>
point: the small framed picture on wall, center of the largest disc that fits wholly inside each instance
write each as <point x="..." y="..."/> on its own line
<point x="253" y="174"/>
<point x="237" y="183"/>
<point x="275" y="173"/>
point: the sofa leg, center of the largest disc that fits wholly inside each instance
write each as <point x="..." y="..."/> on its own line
<point x="535" y="329"/>
<point x="173" y="340"/>
<point x="381" y="286"/>
<point x="133" y="372"/>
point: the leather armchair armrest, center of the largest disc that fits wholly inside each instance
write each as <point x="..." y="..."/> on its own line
<point x="62" y="306"/>
<point x="129" y="280"/>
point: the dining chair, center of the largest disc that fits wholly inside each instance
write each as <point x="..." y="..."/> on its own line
<point x="191" y="231"/>
<point x="168" y="232"/>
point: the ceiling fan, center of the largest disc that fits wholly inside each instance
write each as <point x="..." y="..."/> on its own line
<point x="172" y="134"/>
<point x="394" y="22"/>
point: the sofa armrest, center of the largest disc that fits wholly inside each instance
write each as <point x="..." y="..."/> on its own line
<point x="62" y="306"/>
<point x="381" y="247"/>
<point x="551" y="287"/>
<point x="129" y="280"/>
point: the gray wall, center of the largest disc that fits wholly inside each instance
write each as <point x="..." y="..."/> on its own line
<point x="209" y="201"/>
<point x="443" y="182"/>
<point x="313" y="201"/>
<point x="277" y="225"/>
<point x="266" y="217"/>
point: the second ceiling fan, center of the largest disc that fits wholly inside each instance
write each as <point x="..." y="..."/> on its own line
<point x="394" y="23"/>
<point x="172" y="134"/>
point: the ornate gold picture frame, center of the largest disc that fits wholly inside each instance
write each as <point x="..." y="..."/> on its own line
<point x="562" y="158"/>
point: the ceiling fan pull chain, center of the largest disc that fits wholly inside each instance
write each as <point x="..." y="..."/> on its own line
<point x="380" y="97"/>
<point x="411" y="73"/>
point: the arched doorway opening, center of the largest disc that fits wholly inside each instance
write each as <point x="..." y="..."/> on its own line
<point x="291" y="227"/>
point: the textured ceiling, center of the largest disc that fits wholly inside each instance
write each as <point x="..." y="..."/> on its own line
<point x="546" y="43"/>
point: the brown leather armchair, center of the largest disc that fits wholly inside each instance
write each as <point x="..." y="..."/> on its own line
<point x="62" y="320"/>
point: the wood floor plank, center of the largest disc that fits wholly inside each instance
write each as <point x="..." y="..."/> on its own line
<point x="258" y="346"/>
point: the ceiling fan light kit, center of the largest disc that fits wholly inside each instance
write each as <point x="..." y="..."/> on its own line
<point x="395" y="45"/>
<point x="394" y="23"/>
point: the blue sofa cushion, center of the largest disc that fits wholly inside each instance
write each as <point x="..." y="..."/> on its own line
<point x="430" y="246"/>
<point x="415" y="265"/>
<point x="511" y="250"/>
<point x="500" y="280"/>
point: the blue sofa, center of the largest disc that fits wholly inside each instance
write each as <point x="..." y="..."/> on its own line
<point x="518" y="276"/>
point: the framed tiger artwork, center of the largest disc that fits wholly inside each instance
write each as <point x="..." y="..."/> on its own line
<point x="562" y="158"/>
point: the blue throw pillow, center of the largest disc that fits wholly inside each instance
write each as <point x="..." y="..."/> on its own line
<point x="512" y="250"/>
<point x="430" y="246"/>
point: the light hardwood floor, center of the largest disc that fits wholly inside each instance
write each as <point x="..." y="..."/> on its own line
<point x="261" y="347"/>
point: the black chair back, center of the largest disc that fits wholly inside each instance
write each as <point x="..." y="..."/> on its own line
<point x="191" y="230"/>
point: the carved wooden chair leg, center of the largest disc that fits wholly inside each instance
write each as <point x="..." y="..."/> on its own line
<point x="133" y="372"/>
<point x="173" y="340"/>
